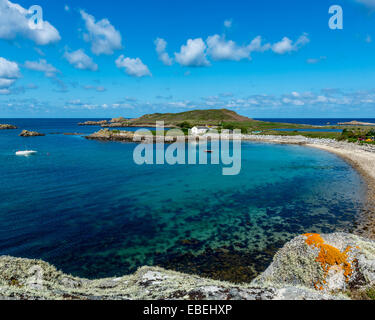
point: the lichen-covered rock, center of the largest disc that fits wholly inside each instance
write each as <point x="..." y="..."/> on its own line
<point x="26" y="133"/>
<point x="330" y="263"/>
<point x="33" y="279"/>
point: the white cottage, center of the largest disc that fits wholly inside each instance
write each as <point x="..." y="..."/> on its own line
<point x="196" y="131"/>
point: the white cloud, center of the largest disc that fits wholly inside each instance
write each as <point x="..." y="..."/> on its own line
<point x="9" y="73"/>
<point x="14" y="22"/>
<point x="133" y="67"/>
<point x="104" y="38"/>
<point x="286" y="45"/>
<point x="221" y="49"/>
<point x="160" y="47"/>
<point x="80" y="60"/>
<point x="368" y="39"/>
<point x="66" y="8"/>
<point x="228" y="23"/>
<point x="6" y="83"/>
<point x="9" y="69"/>
<point x="42" y="66"/>
<point x="193" y="54"/>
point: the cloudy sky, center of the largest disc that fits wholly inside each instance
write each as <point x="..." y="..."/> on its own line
<point x="266" y="58"/>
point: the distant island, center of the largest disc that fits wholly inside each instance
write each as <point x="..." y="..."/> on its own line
<point x="225" y="118"/>
<point x="7" y="127"/>
<point x="220" y="119"/>
<point x="356" y="123"/>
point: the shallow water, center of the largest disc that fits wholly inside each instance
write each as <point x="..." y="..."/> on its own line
<point x="85" y="207"/>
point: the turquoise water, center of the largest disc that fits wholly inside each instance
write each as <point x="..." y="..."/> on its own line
<point x="85" y="207"/>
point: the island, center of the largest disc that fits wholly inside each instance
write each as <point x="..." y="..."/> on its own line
<point x="356" y="123"/>
<point x="26" y="133"/>
<point x="220" y="119"/>
<point x="93" y="123"/>
<point x="7" y="127"/>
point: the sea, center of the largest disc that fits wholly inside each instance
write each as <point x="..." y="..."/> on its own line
<point x="87" y="208"/>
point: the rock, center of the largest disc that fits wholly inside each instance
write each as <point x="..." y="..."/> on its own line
<point x="26" y="133"/>
<point x="148" y="283"/>
<point x="356" y="123"/>
<point x="93" y="123"/>
<point x="116" y="125"/>
<point x="334" y="263"/>
<point x="112" y="135"/>
<point x="310" y="267"/>
<point x="7" y="127"/>
<point x="118" y="120"/>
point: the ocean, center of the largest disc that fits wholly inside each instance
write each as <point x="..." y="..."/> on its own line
<point x="87" y="208"/>
<point x="317" y="121"/>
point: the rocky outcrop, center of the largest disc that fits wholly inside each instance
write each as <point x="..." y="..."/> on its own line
<point x="356" y="123"/>
<point x="129" y="136"/>
<point x="33" y="279"/>
<point x="93" y="123"/>
<point x="118" y="120"/>
<point x="310" y="267"/>
<point x="26" y="133"/>
<point x="112" y="135"/>
<point x="7" y="127"/>
<point x="116" y="125"/>
<point x="331" y="264"/>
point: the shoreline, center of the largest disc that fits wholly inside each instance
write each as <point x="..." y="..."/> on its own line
<point x="360" y="157"/>
<point x="361" y="163"/>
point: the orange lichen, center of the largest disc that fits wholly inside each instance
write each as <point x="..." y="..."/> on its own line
<point x="329" y="257"/>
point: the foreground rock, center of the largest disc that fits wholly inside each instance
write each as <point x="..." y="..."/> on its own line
<point x="310" y="267"/>
<point x="7" y="127"/>
<point x="26" y="133"/>
<point x="332" y="264"/>
<point x="33" y="279"/>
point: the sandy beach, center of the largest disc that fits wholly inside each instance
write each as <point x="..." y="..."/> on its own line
<point x="361" y="157"/>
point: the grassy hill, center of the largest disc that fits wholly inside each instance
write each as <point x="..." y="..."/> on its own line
<point x="224" y="118"/>
<point x="212" y="117"/>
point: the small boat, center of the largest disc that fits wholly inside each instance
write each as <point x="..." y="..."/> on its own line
<point x="26" y="153"/>
<point x="208" y="151"/>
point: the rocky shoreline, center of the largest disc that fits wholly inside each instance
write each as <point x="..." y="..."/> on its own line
<point x="310" y="267"/>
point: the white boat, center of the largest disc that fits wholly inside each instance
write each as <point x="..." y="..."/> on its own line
<point x="26" y="153"/>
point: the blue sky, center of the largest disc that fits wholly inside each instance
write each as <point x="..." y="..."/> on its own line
<point x="266" y="58"/>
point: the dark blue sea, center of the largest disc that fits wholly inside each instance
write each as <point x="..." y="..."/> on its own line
<point x="317" y="121"/>
<point x="87" y="208"/>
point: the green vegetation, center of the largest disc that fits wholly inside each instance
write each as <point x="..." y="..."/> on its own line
<point x="185" y="125"/>
<point x="367" y="294"/>
<point x="195" y="117"/>
<point x="361" y="135"/>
